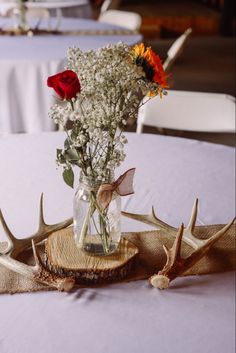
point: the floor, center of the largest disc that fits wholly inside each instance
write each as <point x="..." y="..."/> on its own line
<point x="206" y="64"/>
<point x="163" y="18"/>
<point x="167" y="17"/>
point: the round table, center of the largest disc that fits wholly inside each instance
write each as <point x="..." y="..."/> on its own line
<point x="69" y="8"/>
<point x="195" y="315"/>
<point x="26" y="62"/>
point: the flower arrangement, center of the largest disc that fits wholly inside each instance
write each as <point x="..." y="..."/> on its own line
<point x="101" y="90"/>
<point x="98" y="93"/>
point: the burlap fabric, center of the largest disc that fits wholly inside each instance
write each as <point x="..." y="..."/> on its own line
<point x="152" y="258"/>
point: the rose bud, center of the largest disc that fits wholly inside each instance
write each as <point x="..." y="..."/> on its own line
<point x="65" y="84"/>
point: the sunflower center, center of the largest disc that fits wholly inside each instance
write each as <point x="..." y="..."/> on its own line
<point x="147" y="68"/>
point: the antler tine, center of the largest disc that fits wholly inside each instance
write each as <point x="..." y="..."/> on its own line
<point x="167" y="251"/>
<point x="41" y="213"/>
<point x="173" y="253"/>
<point x="40" y="235"/>
<point x="163" y="278"/>
<point x="44" y="276"/>
<point x="39" y="272"/>
<point x="158" y="222"/>
<point x="151" y="219"/>
<point x="16" y="246"/>
<point x="134" y="216"/>
<point x="193" y="217"/>
<point x="176" y="248"/>
<point x="188" y="236"/>
<point x="11" y="238"/>
<point x="44" y="227"/>
<point x="35" y="254"/>
<point x="153" y="212"/>
<point x="206" y="245"/>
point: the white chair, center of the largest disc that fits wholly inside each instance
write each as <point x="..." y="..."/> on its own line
<point x="129" y="20"/>
<point x="176" y="49"/>
<point x="39" y="13"/>
<point x="110" y="5"/>
<point x="189" y="111"/>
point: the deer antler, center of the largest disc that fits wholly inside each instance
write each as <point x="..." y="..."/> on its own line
<point x="15" y="246"/>
<point x="176" y="265"/>
<point x="37" y="272"/>
<point x="152" y="220"/>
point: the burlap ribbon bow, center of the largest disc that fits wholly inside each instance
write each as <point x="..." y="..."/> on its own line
<point x="123" y="186"/>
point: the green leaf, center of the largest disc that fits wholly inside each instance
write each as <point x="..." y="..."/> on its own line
<point x="67" y="143"/>
<point x="71" y="155"/>
<point x="68" y="176"/>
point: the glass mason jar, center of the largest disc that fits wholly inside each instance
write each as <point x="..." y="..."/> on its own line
<point x="96" y="231"/>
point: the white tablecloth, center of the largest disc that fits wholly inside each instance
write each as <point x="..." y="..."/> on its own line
<point x="197" y="314"/>
<point x="25" y="64"/>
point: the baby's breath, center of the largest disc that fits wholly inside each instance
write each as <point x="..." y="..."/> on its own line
<point x="112" y="86"/>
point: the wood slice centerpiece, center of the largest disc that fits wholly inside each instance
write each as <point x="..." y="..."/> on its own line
<point x="64" y="258"/>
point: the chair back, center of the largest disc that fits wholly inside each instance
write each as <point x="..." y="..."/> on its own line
<point x="176" y="49"/>
<point x="38" y="13"/>
<point x="125" y="19"/>
<point x="189" y="111"/>
<point x="110" y="5"/>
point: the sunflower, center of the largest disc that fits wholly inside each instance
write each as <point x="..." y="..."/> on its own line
<point x="151" y="64"/>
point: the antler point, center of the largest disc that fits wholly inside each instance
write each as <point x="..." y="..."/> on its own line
<point x="165" y="248"/>
<point x="9" y="234"/>
<point x="153" y="212"/>
<point x="193" y="217"/>
<point x="41" y="215"/>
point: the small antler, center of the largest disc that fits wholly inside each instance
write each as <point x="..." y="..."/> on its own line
<point x="15" y="246"/>
<point x="37" y="272"/>
<point x="176" y="265"/>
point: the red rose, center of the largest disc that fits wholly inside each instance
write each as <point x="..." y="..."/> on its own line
<point x="66" y="84"/>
